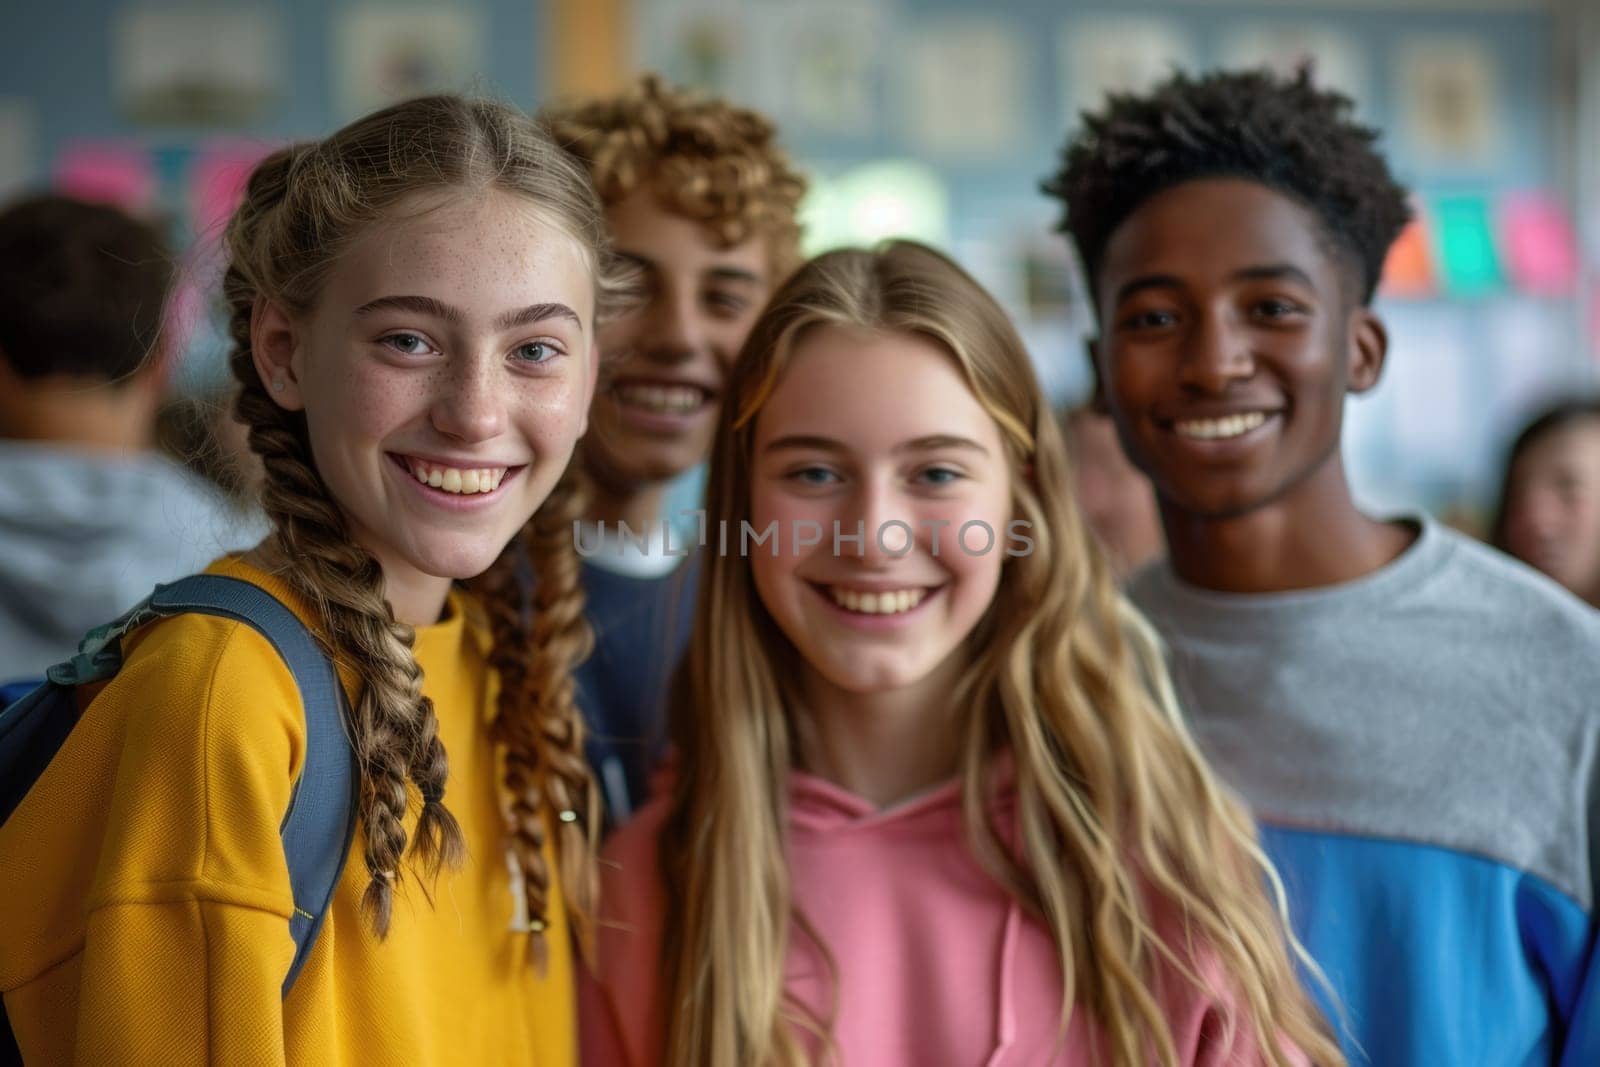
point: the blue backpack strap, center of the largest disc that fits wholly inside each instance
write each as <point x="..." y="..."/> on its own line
<point x="34" y="724"/>
<point x="321" y="821"/>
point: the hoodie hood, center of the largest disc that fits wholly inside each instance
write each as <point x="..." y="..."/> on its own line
<point x="84" y="536"/>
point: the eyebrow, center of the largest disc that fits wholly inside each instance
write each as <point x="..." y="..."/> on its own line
<point x="1266" y="272"/>
<point x="427" y="305"/>
<point x="536" y="313"/>
<point x="797" y="442"/>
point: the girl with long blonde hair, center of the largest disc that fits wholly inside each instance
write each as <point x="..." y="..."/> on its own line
<point x="412" y="311"/>
<point x="932" y="801"/>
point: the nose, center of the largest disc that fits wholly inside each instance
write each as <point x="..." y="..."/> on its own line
<point x="676" y="332"/>
<point x="472" y="408"/>
<point x="885" y="524"/>
<point x="1216" y="354"/>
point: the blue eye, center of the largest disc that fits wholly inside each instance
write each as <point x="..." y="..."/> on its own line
<point x="813" y="476"/>
<point x="537" y="352"/>
<point x="939" y="476"/>
<point x="409" y="344"/>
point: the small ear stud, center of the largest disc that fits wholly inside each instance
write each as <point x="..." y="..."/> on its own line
<point x="277" y="383"/>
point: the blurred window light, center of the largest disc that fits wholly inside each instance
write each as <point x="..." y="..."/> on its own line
<point x="875" y="201"/>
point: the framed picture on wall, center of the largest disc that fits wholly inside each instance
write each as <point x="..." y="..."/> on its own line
<point x="820" y="67"/>
<point x="214" y="65"/>
<point x="1103" y="54"/>
<point x="700" y="44"/>
<point x="962" y="86"/>
<point x="1332" y="56"/>
<point x="387" y="54"/>
<point x="1450" y="100"/>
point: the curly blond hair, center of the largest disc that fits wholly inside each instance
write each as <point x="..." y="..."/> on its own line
<point x="706" y="159"/>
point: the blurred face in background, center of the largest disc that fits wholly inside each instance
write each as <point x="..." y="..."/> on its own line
<point x="665" y="363"/>
<point x="1116" y="499"/>
<point x="1553" y="507"/>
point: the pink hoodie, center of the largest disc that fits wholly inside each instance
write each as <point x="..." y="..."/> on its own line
<point x="936" y="963"/>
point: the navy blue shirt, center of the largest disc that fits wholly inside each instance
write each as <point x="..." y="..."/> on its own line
<point x="641" y="628"/>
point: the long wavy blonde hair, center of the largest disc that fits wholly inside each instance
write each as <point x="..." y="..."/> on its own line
<point x="1113" y="801"/>
<point x="303" y="205"/>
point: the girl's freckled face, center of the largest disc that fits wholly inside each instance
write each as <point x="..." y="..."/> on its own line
<point x="457" y="339"/>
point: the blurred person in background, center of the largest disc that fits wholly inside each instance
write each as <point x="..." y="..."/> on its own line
<point x="701" y="202"/>
<point x="1549" y="515"/>
<point x="1116" y="500"/>
<point x="92" y="516"/>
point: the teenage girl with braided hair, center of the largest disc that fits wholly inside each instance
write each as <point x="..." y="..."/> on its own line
<point x="933" y="801"/>
<point x="413" y="304"/>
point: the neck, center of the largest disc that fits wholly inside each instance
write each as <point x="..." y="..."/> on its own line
<point x="416" y="599"/>
<point x="611" y="503"/>
<point x="101" y="416"/>
<point x="1311" y="536"/>
<point x="882" y="747"/>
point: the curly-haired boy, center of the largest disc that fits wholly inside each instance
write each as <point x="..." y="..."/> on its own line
<point x="702" y="201"/>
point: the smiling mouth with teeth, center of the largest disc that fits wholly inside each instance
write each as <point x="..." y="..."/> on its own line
<point x="457" y="480"/>
<point x="662" y="399"/>
<point x="889" y="602"/>
<point x="1219" y="429"/>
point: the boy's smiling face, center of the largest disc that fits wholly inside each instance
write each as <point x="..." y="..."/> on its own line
<point x="668" y="359"/>
<point x="1230" y="334"/>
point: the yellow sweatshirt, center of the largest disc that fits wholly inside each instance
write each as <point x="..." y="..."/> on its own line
<point x="144" y="917"/>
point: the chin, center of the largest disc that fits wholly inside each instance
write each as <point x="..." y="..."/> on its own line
<point x="1219" y="503"/>
<point x="458" y="563"/>
<point x="869" y="680"/>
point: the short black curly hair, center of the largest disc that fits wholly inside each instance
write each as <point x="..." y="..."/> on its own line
<point x="1284" y="133"/>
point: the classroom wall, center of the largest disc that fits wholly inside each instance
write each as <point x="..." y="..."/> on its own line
<point x="936" y="116"/>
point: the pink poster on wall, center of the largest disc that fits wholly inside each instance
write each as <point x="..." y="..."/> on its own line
<point x="1541" y="251"/>
<point x="108" y="172"/>
<point x="217" y="179"/>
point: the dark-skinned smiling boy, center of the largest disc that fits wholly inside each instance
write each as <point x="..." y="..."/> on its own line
<point x="1412" y="717"/>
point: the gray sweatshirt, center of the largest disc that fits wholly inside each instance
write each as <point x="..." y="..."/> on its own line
<point x="86" y="535"/>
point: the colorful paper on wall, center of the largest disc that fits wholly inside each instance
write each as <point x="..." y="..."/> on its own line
<point x="1408" y="271"/>
<point x="110" y="172"/>
<point x="216" y="184"/>
<point x="1541" y="250"/>
<point x="1468" y="258"/>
